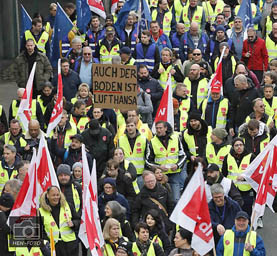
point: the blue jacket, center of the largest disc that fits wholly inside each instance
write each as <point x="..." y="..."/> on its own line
<point x="187" y="43"/>
<point x="162" y="42"/>
<point x="258" y="251"/>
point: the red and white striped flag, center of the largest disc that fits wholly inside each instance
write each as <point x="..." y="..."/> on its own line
<point x="46" y="175"/>
<point x="97" y="6"/>
<point x="192" y="213"/>
<point x="58" y="108"/>
<point x="25" y="203"/>
<point x="25" y="107"/>
<point x="90" y="231"/>
<point x="261" y="174"/>
<point x="114" y="5"/>
<point x="165" y="110"/>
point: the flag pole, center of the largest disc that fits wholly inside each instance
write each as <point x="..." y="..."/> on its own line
<point x="251" y="226"/>
<point x="214" y="251"/>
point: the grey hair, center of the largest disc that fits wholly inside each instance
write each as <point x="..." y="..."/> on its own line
<point x="76" y="39"/>
<point x="166" y="49"/>
<point x="15" y="185"/>
<point x="146" y="173"/>
<point x="117" y="208"/>
<point x="10" y="147"/>
<point x="251" y="29"/>
<point x="217" y="189"/>
<point x="116" y="59"/>
<point x="240" y="78"/>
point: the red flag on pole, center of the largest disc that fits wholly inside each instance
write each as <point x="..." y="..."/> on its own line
<point x="25" y="107"/>
<point x="192" y="213"/>
<point x="58" y="108"/>
<point x="97" y="7"/>
<point x="165" y="110"/>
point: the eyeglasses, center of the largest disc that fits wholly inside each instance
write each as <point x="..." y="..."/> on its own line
<point x="196" y="54"/>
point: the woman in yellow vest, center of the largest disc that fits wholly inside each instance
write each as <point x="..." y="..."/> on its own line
<point x="46" y="96"/>
<point x="115" y="210"/>
<point x="85" y="95"/>
<point x="111" y="234"/>
<point x="157" y="232"/>
<point x="182" y="242"/>
<point x="57" y="215"/>
<point x="234" y="165"/>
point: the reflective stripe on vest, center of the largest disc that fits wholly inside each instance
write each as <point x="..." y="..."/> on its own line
<point x="229" y="242"/>
<point x="197" y="16"/>
<point x="164" y="77"/>
<point x="184" y="109"/>
<point x="234" y="170"/>
<point x="4" y="176"/>
<point x="166" y="23"/>
<point x="135" y="156"/>
<point x="213" y="12"/>
<point x="149" y="58"/>
<point x="202" y="89"/>
<point x="271" y="48"/>
<point x="218" y="158"/>
<point x="169" y="155"/>
<point x="41" y="42"/>
<point x="271" y="110"/>
<point x="189" y="139"/>
<point x="150" y="252"/>
<point x="221" y="117"/>
<point x="64" y="232"/>
<point x="106" y="56"/>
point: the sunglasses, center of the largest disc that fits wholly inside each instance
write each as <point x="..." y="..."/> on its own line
<point x="196" y="54"/>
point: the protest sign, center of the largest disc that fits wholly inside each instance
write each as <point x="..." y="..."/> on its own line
<point x="115" y="86"/>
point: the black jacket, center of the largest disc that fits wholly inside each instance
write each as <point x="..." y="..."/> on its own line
<point x="143" y="204"/>
<point x="241" y="104"/>
<point x="101" y="147"/>
<point x="4" y="231"/>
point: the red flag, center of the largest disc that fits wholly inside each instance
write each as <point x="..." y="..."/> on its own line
<point x="97" y="7"/>
<point x="25" y="107"/>
<point x="58" y="108"/>
<point x="114" y="5"/>
<point x="90" y="229"/>
<point x="46" y="175"/>
<point x="165" y="110"/>
<point x="25" y="203"/>
<point x="192" y="213"/>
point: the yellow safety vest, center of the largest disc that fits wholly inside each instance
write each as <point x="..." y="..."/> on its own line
<point x="271" y="110"/>
<point x="73" y="100"/>
<point x="166" y="21"/>
<point x="1" y="108"/>
<point x="81" y="124"/>
<point x="135" y="183"/>
<point x="23" y="251"/>
<point x="120" y="120"/>
<point x="184" y="109"/>
<point x="202" y="90"/>
<point x="135" y="156"/>
<point x="221" y="117"/>
<point x="271" y="48"/>
<point x="4" y="176"/>
<point x="229" y="241"/>
<point x="33" y="108"/>
<point x="131" y="62"/>
<point x="157" y="240"/>
<point x="68" y="134"/>
<point x="269" y="120"/>
<point x="164" y="77"/>
<point x="234" y="63"/>
<point x="254" y="11"/>
<point x="76" y="198"/>
<point x="108" y="250"/>
<point x="189" y="139"/>
<point x="209" y="11"/>
<point x="178" y="9"/>
<point x="106" y="56"/>
<point x="268" y="25"/>
<point x="197" y="16"/>
<point x="63" y="232"/>
<point x="43" y="108"/>
<point x="150" y="252"/>
<point x="263" y="143"/>
<point x="7" y="140"/>
<point x="153" y="3"/>
<point x="169" y="155"/>
<point x="41" y="42"/>
<point x="234" y="171"/>
<point x="218" y="158"/>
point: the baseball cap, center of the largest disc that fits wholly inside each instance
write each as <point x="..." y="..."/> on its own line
<point x="242" y="214"/>
<point x="77" y="137"/>
<point x="212" y="167"/>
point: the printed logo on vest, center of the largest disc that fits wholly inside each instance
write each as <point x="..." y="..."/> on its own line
<point x="161" y="149"/>
<point x="230" y="167"/>
<point x="53" y="223"/>
<point x="139" y="150"/>
<point x="223" y="110"/>
<point x="197" y="17"/>
<point x="244" y="166"/>
<point x="227" y="242"/>
<point x="138" y="144"/>
<point x="221" y="158"/>
<point x="211" y="155"/>
<point x="43" y="41"/>
<point x="172" y="150"/>
<point x="202" y="89"/>
<point x="104" y="138"/>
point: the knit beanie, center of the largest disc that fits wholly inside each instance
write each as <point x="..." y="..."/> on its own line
<point x="220" y="133"/>
<point x="64" y="168"/>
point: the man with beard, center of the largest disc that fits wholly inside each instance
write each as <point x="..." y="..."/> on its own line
<point x="197" y="85"/>
<point x="223" y="211"/>
<point x="150" y="86"/>
<point x="99" y="142"/>
<point x="166" y="153"/>
<point x="214" y="176"/>
<point x="74" y="153"/>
